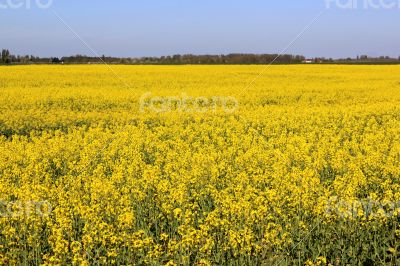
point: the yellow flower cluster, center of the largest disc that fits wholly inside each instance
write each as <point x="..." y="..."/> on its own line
<point x="306" y="169"/>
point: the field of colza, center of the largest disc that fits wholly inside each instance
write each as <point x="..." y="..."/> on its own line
<point x="200" y="165"/>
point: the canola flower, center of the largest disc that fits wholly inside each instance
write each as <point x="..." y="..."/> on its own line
<point x="305" y="170"/>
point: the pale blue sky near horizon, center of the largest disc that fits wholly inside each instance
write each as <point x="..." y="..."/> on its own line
<point x="134" y="28"/>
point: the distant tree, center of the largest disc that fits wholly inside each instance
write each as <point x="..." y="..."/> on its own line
<point x="55" y="60"/>
<point x="5" y="56"/>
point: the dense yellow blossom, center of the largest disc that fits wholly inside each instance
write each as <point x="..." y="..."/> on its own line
<point x="305" y="169"/>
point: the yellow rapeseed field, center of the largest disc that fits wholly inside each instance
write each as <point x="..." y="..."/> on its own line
<point x="200" y="165"/>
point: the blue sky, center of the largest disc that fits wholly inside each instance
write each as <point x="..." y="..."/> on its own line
<point x="164" y="27"/>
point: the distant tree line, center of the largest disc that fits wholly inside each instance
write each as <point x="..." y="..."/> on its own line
<point x="191" y="59"/>
<point x="8" y="58"/>
<point x="365" y="59"/>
